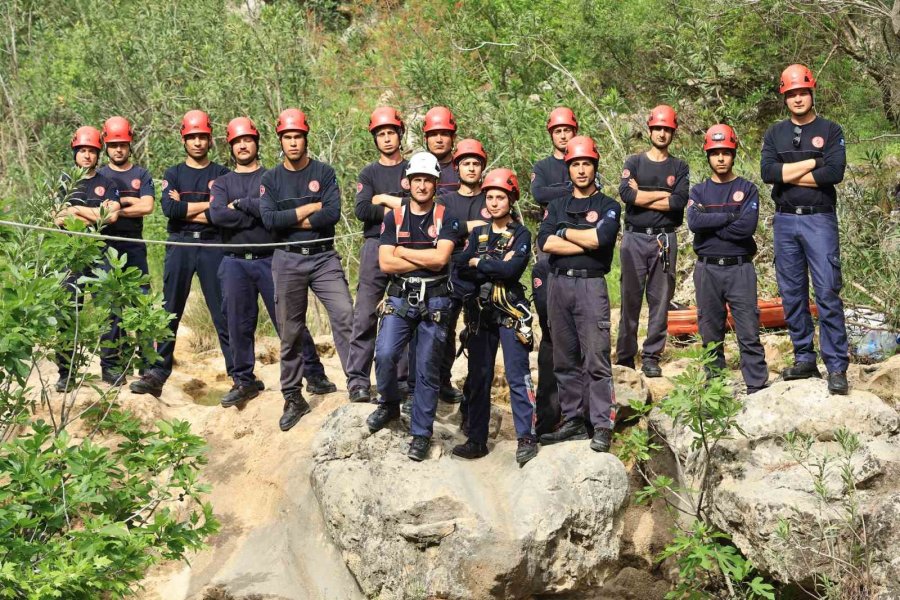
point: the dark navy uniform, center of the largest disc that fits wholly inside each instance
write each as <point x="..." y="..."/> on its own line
<point x="448" y="182"/>
<point x="374" y="179"/>
<point x="90" y="193"/>
<point x="312" y="265"/>
<point x="132" y="184"/>
<point x="417" y="302"/>
<point x="549" y="181"/>
<point x="246" y="272"/>
<point x="182" y="262"/>
<point x="648" y="253"/>
<point x="806" y="236"/>
<point x="723" y="217"/>
<point x="489" y="324"/>
<point x="579" y="309"/>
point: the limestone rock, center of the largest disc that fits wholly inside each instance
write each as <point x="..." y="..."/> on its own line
<point x="450" y="528"/>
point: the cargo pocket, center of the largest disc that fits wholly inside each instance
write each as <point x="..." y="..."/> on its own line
<point x="604" y="336"/>
<point x="835" y="260"/>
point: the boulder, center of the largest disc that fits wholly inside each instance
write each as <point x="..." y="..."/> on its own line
<point x="757" y="482"/>
<point x="450" y="528"/>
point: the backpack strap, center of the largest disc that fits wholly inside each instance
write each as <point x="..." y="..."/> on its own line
<point x="399" y="217"/>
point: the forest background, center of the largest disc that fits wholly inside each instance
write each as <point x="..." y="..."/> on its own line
<point x="501" y="65"/>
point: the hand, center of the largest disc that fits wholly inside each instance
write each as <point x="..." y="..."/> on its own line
<point x="632" y="183"/>
<point x="110" y="205"/>
<point x="174" y="195"/>
<point x="473" y="262"/>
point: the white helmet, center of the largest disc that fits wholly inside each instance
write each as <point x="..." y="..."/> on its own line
<point x="423" y="163"/>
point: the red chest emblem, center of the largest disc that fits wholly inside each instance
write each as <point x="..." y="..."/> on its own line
<point x="382" y="228"/>
<point x="99" y="190"/>
<point x="670" y="180"/>
<point x="591" y="216"/>
<point x="432" y="232"/>
<point x="314" y="185"/>
<point x="532" y="176"/>
<point x="136" y="184"/>
<point x="537" y="282"/>
<point x="545" y="213"/>
<point x="165" y="183"/>
<point x="404" y="183"/>
<point x="210" y="184"/>
<point x="359" y="187"/>
<point x="485" y="213"/>
<point x="737" y="196"/>
<point x="262" y="190"/>
<point x="626" y="174"/>
<point x="818" y="141"/>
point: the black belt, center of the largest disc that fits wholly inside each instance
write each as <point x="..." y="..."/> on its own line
<point x="308" y="250"/>
<point x="578" y="272"/>
<point x="724" y="261"/>
<point x="437" y="288"/>
<point x="804" y="210"/>
<point x="650" y="230"/>
<point x="197" y="235"/>
<point x="249" y="255"/>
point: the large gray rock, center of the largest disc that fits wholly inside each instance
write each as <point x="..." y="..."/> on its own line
<point x="456" y="529"/>
<point x="757" y="482"/>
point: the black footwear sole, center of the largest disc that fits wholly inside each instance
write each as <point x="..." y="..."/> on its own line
<point x="550" y="442"/>
<point x="321" y="390"/>
<point x="796" y="378"/>
<point x="522" y="459"/>
<point x="288" y="425"/>
<point x="599" y="447"/>
<point x="156" y="393"/>
<point x="240" y="400"/>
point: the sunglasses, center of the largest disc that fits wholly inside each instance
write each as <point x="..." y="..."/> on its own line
<point x="797" y="132"/>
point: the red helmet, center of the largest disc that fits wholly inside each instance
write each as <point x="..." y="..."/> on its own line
<point x="195" y="121"/>
<point x="502" y="179"/>
<point x="385" y="115"/>
<point x="562" y="116"/>
<point x="796" y="77"/>
<point x="117" y="129"/>
<point x="86" y="136"/>
<point x="663" y="116"/>
<point x="470" y="147"/>
<point x="240" y="126"/>
<point x="720" y="136"/>
<point x="439" y="118"/>
<point x="581" y="146"/>
<point x="291" y="119"/>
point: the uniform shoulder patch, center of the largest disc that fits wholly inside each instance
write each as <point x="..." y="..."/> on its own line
<point x="404" y="183"/>
<point x="533" y="175"/>
<point x="262" y="190"/>
<point x="485" y="214"/>
<point x="537" y="282"/>
<point x="382" y="227"/>
<point x="626" y="173"/>
<point x="165" y="183"/>
<point x="359" y="186"/>
<point x="210" y="184"/>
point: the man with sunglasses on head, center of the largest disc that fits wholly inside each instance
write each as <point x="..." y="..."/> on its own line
<point x="804" y="157"/>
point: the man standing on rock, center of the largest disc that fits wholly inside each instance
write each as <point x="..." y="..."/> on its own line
<point x="440" y="134"/>
<point x="246" y="272"/>
<point x="301" y="202"/>
<point x="380" y="188"/>
<point x="416" y="244"/>
<point x="579" y="234"/>
<point x="136" y="198"/>
<point x="185" y="201"/>
<point x="549" y="181"/>
<point x="654" y="188"/>
<point x="804" y="157"/>
<point x="723" y="212"/>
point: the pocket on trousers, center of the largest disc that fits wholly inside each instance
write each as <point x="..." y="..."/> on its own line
<point x="604" y="338"/>
<point x="835" y="260"/>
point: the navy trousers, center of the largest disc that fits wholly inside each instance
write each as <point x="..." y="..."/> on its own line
<point x="548" y="411"/>
<point x="135" y="256"/>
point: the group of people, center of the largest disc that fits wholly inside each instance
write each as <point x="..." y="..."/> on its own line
<point x="442" y="238"/>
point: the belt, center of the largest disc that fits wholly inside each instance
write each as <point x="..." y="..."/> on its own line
<point x="308" y="250"/>
<point x="197" y="235"/>
<point x="578" y="272"/>
<point x="650" y="230"/>
<point x="249" y="255"/>
<point x="410" y="287"/>
<point x="804" y="210"/>
<point x="724" y="261"/>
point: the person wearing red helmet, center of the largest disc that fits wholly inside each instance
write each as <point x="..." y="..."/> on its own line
<point x="804" y="158"/>
<point x="136" y="193"/>
<point x="300" y="202"/>
<point x="440" y="133"/>
<point x="579" y="234"/>
<point x="185" y="202"/>
<point x="549" y="181"/>
<point x="498" y="313"/>
<point x="93" y="200"/>
<point x="654" y="188"/>
<point x="723" y="212"/>
<point x="246" y="272"/>
<point x="380" y="188"/>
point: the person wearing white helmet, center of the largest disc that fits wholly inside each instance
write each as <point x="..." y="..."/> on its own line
<point x="416" y="243"/>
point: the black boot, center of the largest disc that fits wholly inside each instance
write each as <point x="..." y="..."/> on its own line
<point x="526" y="450"/>
<point x="147" y="384"/>
<point x="238" y="394"/>
<point x="295" y="406"/>
<point x="319" y="384"/>
<point x="113" y="378"/>
<point x="573" y="429"/>
<point x="801" y="370"/>
<point x="601" y="440"/>
<point x="259" y="384"/>
<point x="66" y="383"/>
<point x="450" y="394"/>
<point x="470" y="450"/>
<point x="418" y="448"/>
<point x="650" y="368"/>
<point x="381" y="416"/>
<point x="359" y="394"/>
<point x="837" y="383"/>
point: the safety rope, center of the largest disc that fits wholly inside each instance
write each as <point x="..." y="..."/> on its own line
<point x="100" y="236"/>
